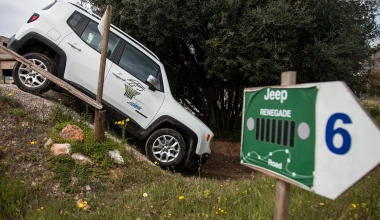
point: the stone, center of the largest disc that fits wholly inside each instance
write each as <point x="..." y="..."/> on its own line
<point x="72" y="132"/>
<point x="48" y="143"/>
<point x="115" y="155"/>
<point x="115" y="173"/>
<point x="88" y="188"/>
<point x="60" y="149"/>
<point x="81" y="159"/>
<point x="74" y="180"/>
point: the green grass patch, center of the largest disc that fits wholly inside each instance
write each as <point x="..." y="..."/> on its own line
<point x="65" y="169"/>
<point x="98" y="152"/>
<point x="62" y="167"/>
<point x="59" y="115"/>
<point x="19" y="112"/>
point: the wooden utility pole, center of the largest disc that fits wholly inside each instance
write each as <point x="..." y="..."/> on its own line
<point x="100" y="115"/>
<point x="281" y="210"/>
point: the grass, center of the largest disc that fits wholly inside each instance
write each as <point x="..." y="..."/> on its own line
<point x="34" y="185"/>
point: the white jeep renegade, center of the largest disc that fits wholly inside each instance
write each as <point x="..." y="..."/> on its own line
<point x="63" y="39"/>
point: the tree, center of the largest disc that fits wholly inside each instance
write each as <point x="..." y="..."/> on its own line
<point x="213" y="49"/>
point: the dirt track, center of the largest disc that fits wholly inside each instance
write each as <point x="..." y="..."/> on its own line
<point x="224" y="161"/>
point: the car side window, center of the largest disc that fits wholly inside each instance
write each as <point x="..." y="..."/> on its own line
<point x="139" y="65"/>
<point x="92" y="37"/>
<point x="75" y="20"/>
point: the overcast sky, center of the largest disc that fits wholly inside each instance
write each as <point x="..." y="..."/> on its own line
<point x="14" y="13"/>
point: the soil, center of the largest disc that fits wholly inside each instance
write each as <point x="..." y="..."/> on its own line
<point x="223" y="163"/>
<point x="23" y="132"/>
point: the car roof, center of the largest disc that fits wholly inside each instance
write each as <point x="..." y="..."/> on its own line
<point x="116" y="30"/>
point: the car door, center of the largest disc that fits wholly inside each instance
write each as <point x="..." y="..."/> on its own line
<point x="83" y="51"/>
<point x="126" y="89"/>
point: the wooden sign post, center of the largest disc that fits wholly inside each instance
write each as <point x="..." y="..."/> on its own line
<point x="100" y="115"/>
<point x="281" y="210"/>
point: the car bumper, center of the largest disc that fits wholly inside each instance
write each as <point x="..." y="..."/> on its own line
<point x="13" y="44"/>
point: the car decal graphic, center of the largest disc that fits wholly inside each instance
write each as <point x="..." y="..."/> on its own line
<point x="135" y="84"/>
<point x="130" y="92"/>
<point x="138" y="101"/>
<point x="134" y="105"/>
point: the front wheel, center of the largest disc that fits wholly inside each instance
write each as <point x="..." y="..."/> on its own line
<point x="165" y="146"/>
<point x="31" y="81"/>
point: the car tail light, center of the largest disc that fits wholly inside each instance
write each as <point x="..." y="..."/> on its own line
<point x="208" y="137"/>
<point x="33" y="18"/>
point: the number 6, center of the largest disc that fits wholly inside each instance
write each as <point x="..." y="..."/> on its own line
<point x="330" y="133"/>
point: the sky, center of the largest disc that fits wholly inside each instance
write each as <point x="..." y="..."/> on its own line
<point x="14" y="13"/>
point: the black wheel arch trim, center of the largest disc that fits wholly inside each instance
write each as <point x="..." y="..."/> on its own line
<point x="168" y="119"/>
<point x="18" y="45"/>
<point x="191" y="140"/>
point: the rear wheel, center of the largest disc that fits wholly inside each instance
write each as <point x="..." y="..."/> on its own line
<point x="165" y="146"/>
<point x="31" y="81"/>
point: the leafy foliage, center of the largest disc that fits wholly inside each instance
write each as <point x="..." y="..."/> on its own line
<point x="213" y="49"/>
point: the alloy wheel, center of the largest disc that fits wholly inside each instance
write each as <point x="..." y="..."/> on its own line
<point x="166" y="148"/>
<point x="31" y="78"/>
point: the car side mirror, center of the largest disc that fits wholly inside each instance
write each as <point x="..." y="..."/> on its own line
<point x="152" y="82"/>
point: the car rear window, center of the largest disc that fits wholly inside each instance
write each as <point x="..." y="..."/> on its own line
<point x="92" y="37"/>
<point x="75" y="20"/>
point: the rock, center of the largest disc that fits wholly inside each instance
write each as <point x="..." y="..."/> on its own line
<point x="86" y="207"/>
<point x="88" y="188"/>
<point x="48" y="143"/>
<point x="74" y="180"/>
<point x="115" y="155"/>
<point x="24" y="123"/>
<point x="72" y="132"/>
<point x="60" y="149"/>
<point x="81" y="159"/>
<point x="115" y="173"/>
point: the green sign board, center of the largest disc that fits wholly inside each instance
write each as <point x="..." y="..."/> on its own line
<point x="279" y="132"/>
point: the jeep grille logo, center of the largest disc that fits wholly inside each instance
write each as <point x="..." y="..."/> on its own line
<point x="130" y="92"/>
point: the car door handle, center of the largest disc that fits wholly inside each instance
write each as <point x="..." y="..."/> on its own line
<point x="118" y="76"/>
<point x="74" y="46"/>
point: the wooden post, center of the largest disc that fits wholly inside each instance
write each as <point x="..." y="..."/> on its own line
<point x="1" y="74"/>
<point x="281" y="210"/>
<point x="100" y="115"/>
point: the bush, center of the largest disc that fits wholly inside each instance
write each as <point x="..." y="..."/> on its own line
<point x="374" y="110"/>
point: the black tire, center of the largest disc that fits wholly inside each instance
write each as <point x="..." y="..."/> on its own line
<point x="160" y="147"/>
<point x="32" y="82"/>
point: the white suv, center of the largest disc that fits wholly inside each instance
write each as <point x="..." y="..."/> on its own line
<point x="63" y="39"/>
